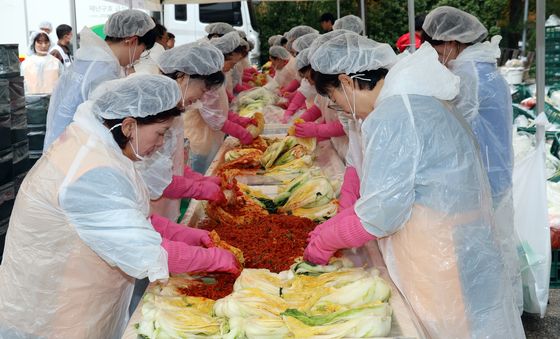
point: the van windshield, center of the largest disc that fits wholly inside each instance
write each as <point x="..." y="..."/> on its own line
<point x="229" y="12"/>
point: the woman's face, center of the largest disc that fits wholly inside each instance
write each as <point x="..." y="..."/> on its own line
<point x="42" y="45"/>
<point x="146" y="139"/>
<point x="447" y="51"/>
<point x="349" y="97"/>
<point x="191" y="90"/>
<point x="231" y="61"/>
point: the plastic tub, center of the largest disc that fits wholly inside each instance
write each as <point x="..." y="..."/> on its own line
<point x="20" y="158"/>
<point x="7" y="198"/>
<point x="5" y="134"/>
<point x="19" y="126"/>
<point x="6" y="166"/>
<point x="9" y="59"/>
<point x="513" y="75"/>
<point x="36" y="137"/>
<point x="37" y="107"/>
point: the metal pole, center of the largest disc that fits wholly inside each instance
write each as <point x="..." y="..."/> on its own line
<point x="540" y="55"/>
<point x="338" y="9"/>
<point x="411" y="28"/>
<point x="363" y="10"/>
<point x="74" y="24"/>
<point x="26" y="24"/>
<point x="525" y="15"/>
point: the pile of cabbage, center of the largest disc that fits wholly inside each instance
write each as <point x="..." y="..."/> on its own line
<point x="250" y="102"/>
<point x="305" y="302"/>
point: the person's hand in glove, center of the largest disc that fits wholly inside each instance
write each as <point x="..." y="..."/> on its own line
<point x="291" y="87"/>
<point x="190" y="173"/>
<point x="230" y="96"/>
<point x="296" y="103"/>
<point x="315" y="130"/>
<point x="173" y="231"/>
<point x="350" y="190"/>
<point x="312" y="114"/>
<point x="244" y="122"/>
<point x="240" y="88"/>
<point x="344" y="230"/>
<point x="183" y="258"/>
<point x="199" y="189"/>
<point x="237" y="131"/>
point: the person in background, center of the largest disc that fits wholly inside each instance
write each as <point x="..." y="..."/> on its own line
<point x="218" y="30"/>
<point x="128" y="34"/>
<point x="40" y="70"/>
<point x="89" y="234"/>
<point x="148" y="60"/>
<point x="327" y="21"/>
<point x="61" y="50"/>
<point x="206" y="126"/>
<point x="404" y="40"/>
<point x="171" y="41"/>
<point x="350" y="23"/>
<point x="425" y="195"/>
<point x="484" y="101"/>
<point x="280" y="58"/>
<point x="46" y="27"/>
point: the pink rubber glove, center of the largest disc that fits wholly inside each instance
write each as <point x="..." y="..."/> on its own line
<point x="344" y="230"/>
<point x="173" y="231"/>
<point x="247" y="78"/>
<point x="250" y="70"/>
<point x="184" y="187"/>
<point x="244" y="122"/>
<point x="230" y="96"/>
<point x="350" y="190"/>
<point x="297" y="102"/>
<point x="189" y="173"/>
<point x="183" y="258"/>
<point x="312" y="114"/>
<point x="291" y="87"/>
<point x="324" y="130"/>
<point x="240" y="88"/>
<point x="211" y="178"/>
<point x="237" y="131"/>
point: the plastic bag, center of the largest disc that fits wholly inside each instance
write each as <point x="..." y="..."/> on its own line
<point x="531" y="223"/>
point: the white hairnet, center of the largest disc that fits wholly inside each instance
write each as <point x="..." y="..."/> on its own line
<point x="137" y="96"/>
<point x="242" y="34"/>
<point x="32" y="38"/>
<point x="129" y="22"/>
<point x="275" y="40"/>
<point x="447" y="23"/>
<point x="350" y="23"/>
<point x="279" y="52"/>
<point x="200" y="58"/>
<point x="304" y="41"/>
<point x="227" y="43"/>
<point x="323" y="38"/>
<point x="302" y="59"/>
<point x="352" y="53"/>
<point x="45" y="24"/>
<point x="220" y="28"/>
<point x="298" y="31"/>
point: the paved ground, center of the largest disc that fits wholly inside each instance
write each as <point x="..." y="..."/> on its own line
<point x="549" y="326"/>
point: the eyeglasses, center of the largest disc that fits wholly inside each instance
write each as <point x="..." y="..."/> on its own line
<point x="335" y="107"/>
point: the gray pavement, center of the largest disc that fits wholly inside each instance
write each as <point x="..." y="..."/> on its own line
<point x="547" y="327"/>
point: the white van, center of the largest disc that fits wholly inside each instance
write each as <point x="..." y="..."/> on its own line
<point x="187" y="22"/>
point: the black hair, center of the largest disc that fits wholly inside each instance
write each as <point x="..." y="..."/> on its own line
<point x="39" y="35"/>
<point x="327" y="17"/>
<point x="211" y="81"/>
<point x="170" y="35"/>
<point x="239" y="50"/>
<point x="283" y="42"/>
<point x="433" y="42"/>
<point x="419" y="21"/>
<point x="62" y="30"/>
<point x="160" y="31"/>
<point x="122" y="140"/>
<point x="302" y="71"/>
<point x="324" y="82"/>
<point x="148" y="39"/>
<point x="214" y="35"/>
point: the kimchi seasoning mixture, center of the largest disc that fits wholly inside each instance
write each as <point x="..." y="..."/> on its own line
<point x="212" y="286"/>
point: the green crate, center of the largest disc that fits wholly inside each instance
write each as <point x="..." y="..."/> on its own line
<point x="552" y="59"/>
<point x="522" y="92"/>
<point x="552" y="32"/>
<point x="520" y="110"/>
<point x="555" y="269"/>
<point x="552" y="114"/>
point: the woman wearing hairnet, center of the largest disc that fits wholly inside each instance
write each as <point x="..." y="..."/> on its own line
<point x="424" y="192"/>
<point x="206" y="126"/>
<point x="69" y="265"/>
<point x="484" y="100"/>
<point x="40" y="70"/>
<point x="350" y="23"/>
<point x="128" y="34"/>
